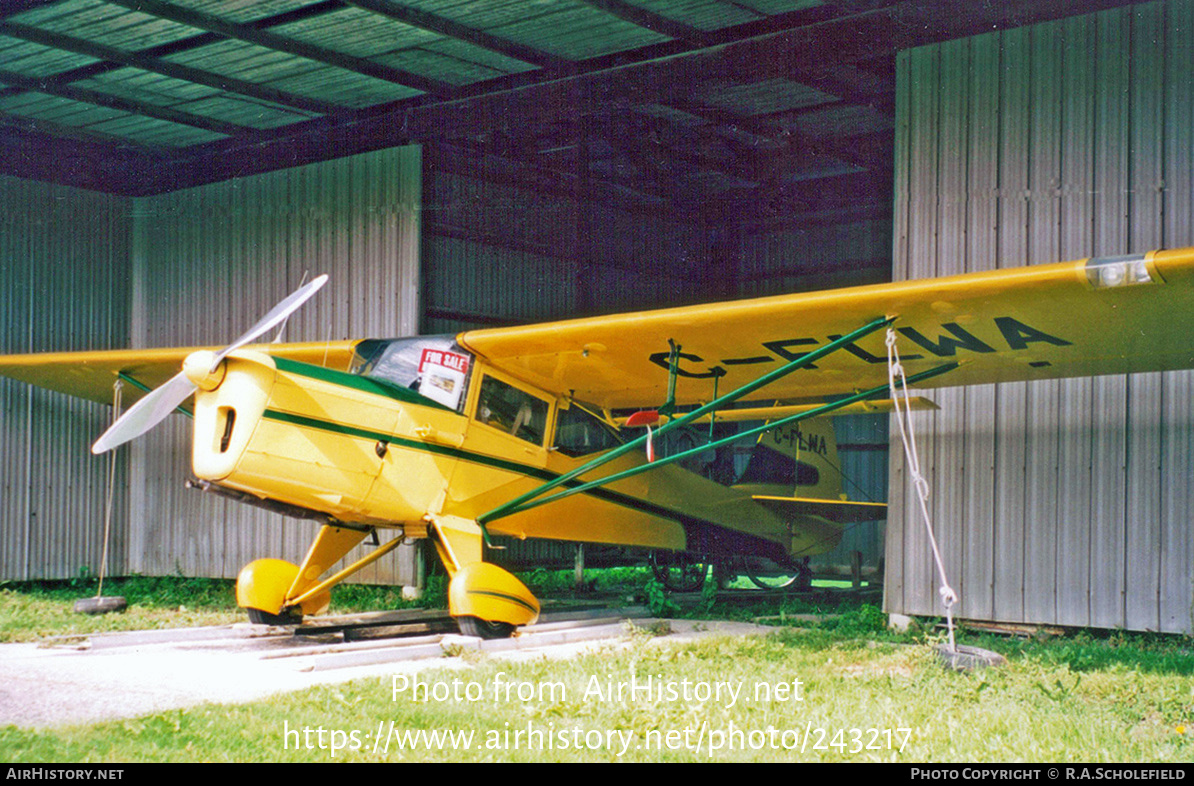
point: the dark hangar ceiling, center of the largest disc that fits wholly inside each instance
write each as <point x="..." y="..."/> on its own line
<point x="726" y="110"/>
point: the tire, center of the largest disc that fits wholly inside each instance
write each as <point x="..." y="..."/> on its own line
<point x="769" y="575"/>
<point x="100" y="605"/>
<point x="288" y="617"/>
<point x="484" y="629"/>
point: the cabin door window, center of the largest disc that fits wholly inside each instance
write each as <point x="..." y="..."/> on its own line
<point x="512" y="411"/>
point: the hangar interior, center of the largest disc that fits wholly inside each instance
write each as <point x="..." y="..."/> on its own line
<point x="169" y="170"/>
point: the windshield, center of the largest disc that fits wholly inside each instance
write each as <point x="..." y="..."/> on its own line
<point x="434" y="366"/>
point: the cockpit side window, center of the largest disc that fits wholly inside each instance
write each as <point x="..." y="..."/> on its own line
<point x="579" y="433"/>
<point x="511" y="410"/>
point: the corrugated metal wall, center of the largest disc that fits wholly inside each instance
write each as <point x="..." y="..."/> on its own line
<point x="503" y="252"/>
<point x="207" y="263"/>
<point x="817" y="257"/>
<point x="63" y="286"/>
<point x="1057" y="502"/>
<point x="862" y="455"/>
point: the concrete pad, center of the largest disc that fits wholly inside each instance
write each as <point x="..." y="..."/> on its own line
<point x="116" y="676"/>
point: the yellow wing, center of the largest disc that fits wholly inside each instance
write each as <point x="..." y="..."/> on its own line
<point x="1081" y="318"/>
<point x="91" y="375"/>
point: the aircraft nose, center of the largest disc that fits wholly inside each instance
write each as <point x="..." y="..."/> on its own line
<point x="198" y="369"/>
<point x="228" y="409"/>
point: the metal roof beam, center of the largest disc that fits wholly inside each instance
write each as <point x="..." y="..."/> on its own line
<point x="46" y="134"/>
<point x="51" y="152"/>
<point x="859" y="6"/>
<point x="119" y="59"/>
<point x="529" y="174"/>
<point x="657" y="140"/>
<point x="651" y="21"/>
<point x="787" y="144"/>
<point x="124" y="104"/>
<point x="861" y="194"/>
<point x="433" y="23"/>
<point x="257" y="34"/>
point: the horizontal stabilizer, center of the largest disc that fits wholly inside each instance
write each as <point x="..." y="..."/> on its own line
<point x="838" y="511"/>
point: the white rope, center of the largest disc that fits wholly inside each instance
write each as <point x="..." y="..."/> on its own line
<point x="903" y="410"/>
<point x="111" y="483"/>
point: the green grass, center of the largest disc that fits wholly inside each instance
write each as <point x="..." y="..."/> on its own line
<point x="1082" y="697"/>
<point x="34" y="610"/>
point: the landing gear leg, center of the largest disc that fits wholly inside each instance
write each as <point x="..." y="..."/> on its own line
<point x="276" y="592"/>
<point x="486" y="600"/>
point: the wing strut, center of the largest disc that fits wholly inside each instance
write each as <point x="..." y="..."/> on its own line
<point x="528" y="500"/>
<point x="146" y="389"/>
<point x="509" y="510"/>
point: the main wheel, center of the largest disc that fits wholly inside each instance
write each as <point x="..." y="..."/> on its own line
<point x="679" y="571"/>
<point x="287" y="617"/>
<point x="768" y="574"/>
<point x="484" y="629"/>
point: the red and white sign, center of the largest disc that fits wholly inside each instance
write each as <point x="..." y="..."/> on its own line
<point x="442" y="376"/>
<point x="450" y="360"/>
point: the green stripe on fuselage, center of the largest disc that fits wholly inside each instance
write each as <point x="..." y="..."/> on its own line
<point x="377" y="387"/>
<point x="475" y="458"/>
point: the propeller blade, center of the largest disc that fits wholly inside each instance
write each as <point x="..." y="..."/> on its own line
<point x="154" y="408"/>
<point x="275" y="317"/>
<point x="146" y="413"/>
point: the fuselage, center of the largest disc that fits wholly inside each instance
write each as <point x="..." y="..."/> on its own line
<point x="366" y="450"/>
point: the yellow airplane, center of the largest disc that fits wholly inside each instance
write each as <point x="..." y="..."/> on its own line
<point x="514" y="431"/>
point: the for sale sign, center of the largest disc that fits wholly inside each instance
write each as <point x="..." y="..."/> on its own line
<point x="441" y="376"/>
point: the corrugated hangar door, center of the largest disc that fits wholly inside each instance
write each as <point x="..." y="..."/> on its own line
<point x="63" y="286"/>
<point x="1063" y="502"/>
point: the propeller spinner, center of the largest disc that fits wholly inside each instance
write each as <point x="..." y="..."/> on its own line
<point x="199" y="371"/>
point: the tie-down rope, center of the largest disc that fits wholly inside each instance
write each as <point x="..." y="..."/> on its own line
<point x="116" y="389"/>
<point x="903" y="410"/>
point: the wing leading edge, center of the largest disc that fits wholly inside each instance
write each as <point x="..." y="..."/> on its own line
<point x="1080" y="318"/>
<point x="91" y="375"/>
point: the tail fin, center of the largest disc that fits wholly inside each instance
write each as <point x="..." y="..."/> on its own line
<point x="795" y="460"/>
